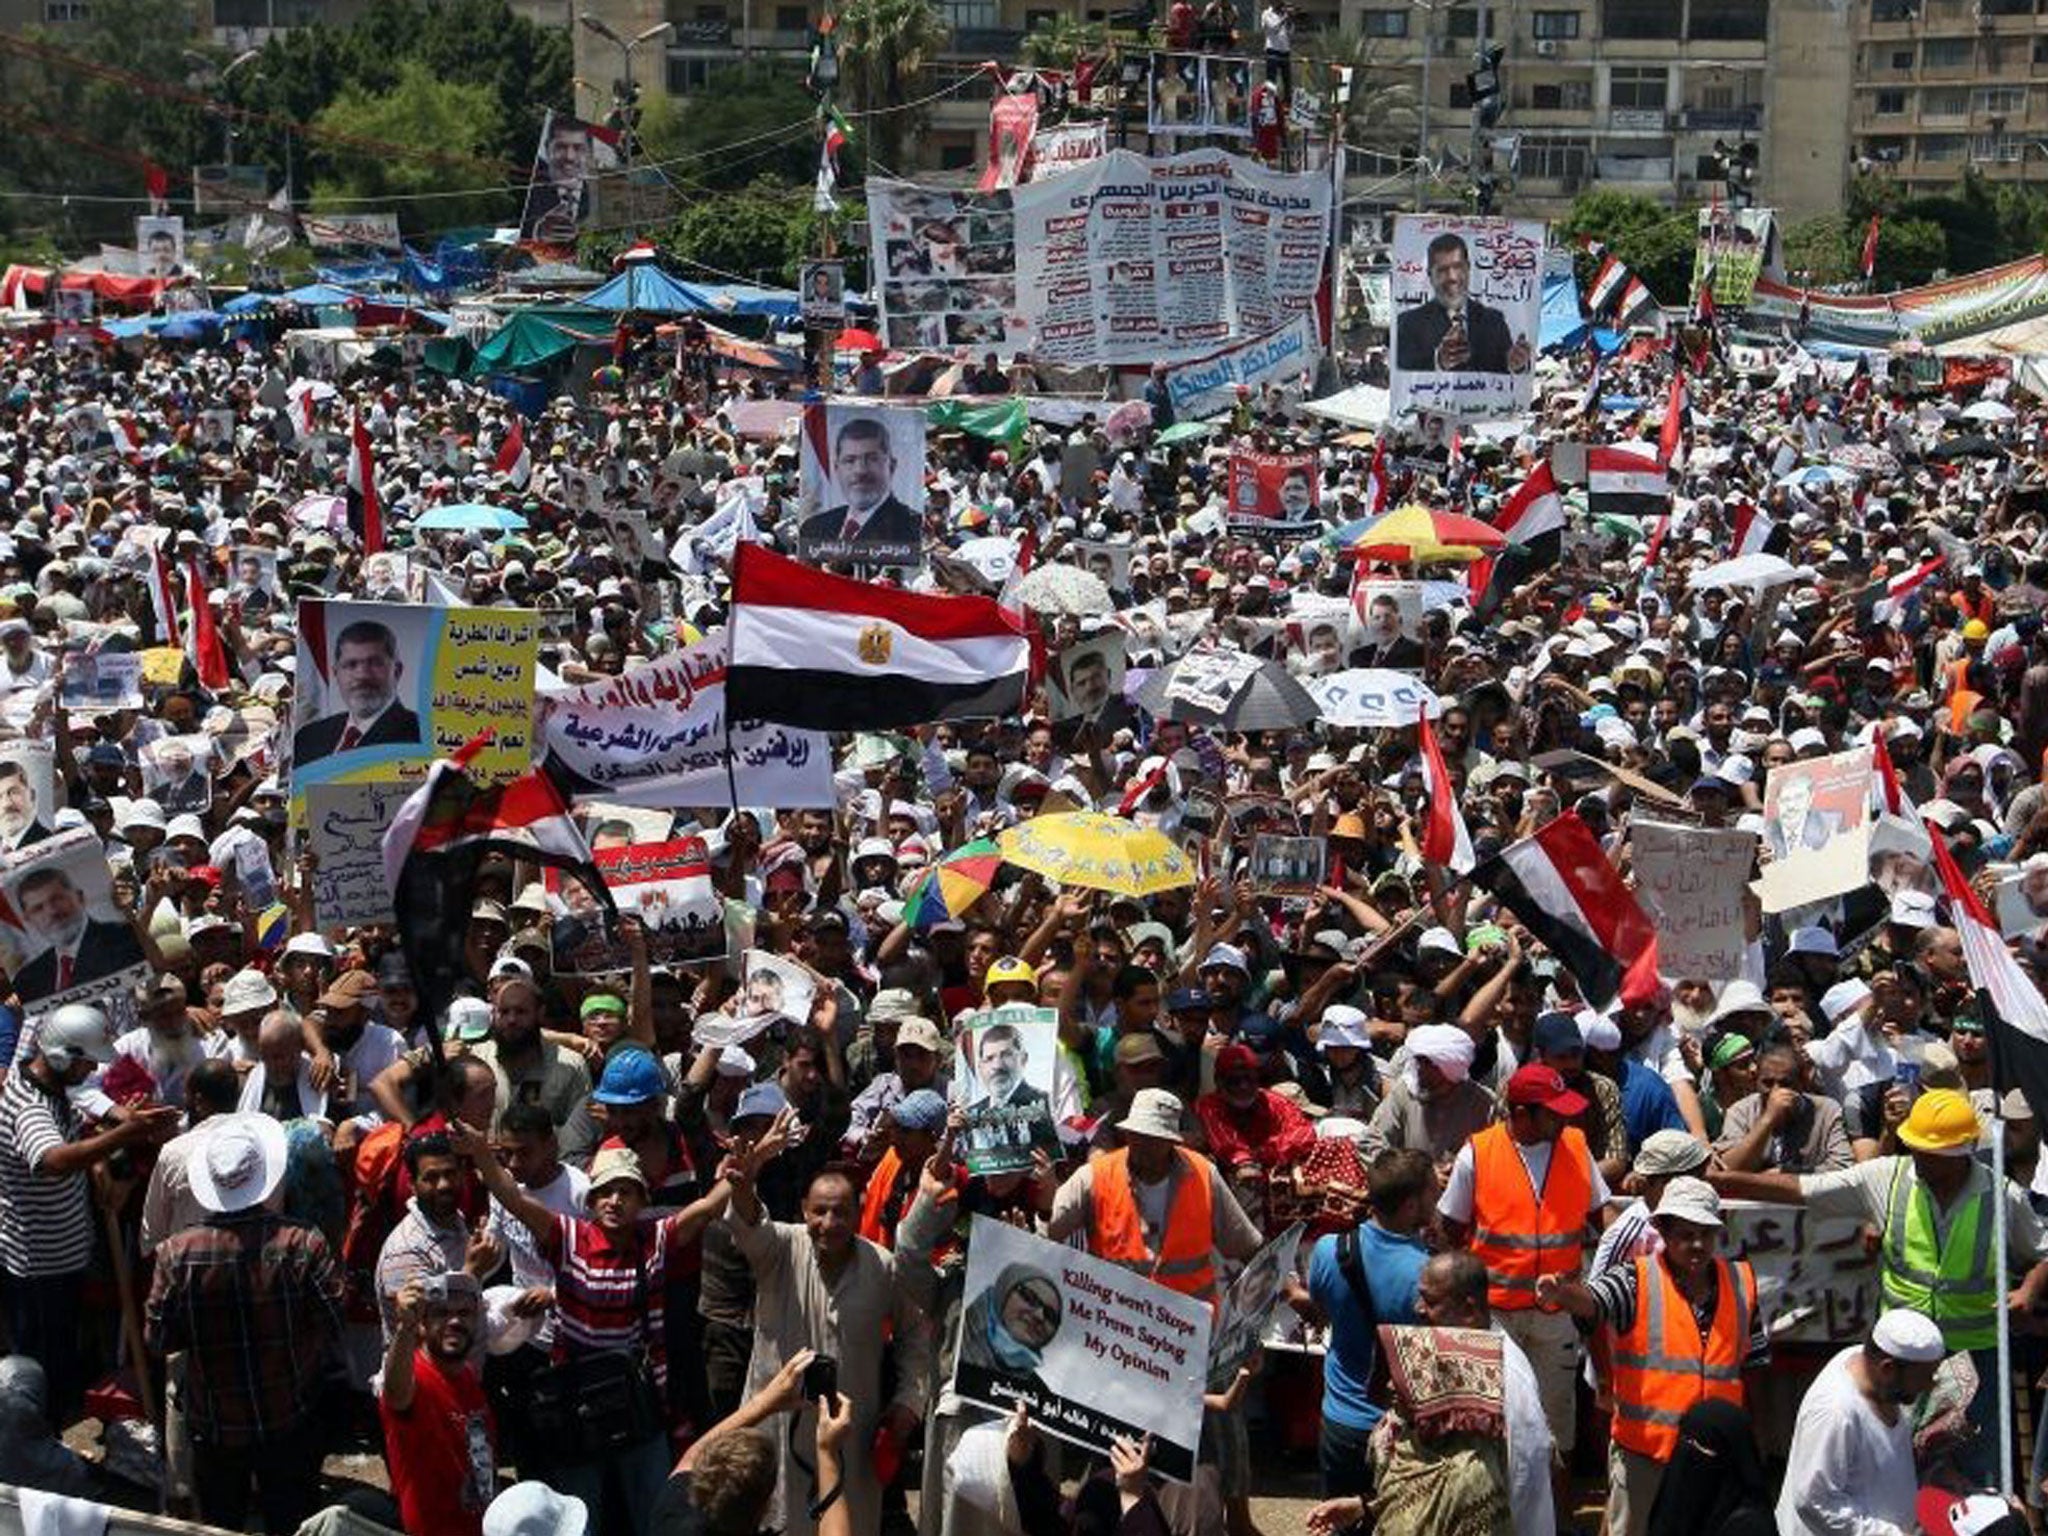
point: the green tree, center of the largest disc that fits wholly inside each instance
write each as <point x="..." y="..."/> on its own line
<point x="1384" y="115"/>
<point x="884" y="46"/>
<point x="1816" y="253"/>
<point x="754" y="121"/>
<point x="761" y="233"/>
<point x="461" y="121"/>
<point x="1655" y="241"/>
<point x="1060" y="42"/>
<point x="1909" y="252"/>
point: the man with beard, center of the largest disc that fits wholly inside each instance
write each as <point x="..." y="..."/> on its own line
<point x="79" y="948"/>
<point x="165" y="1043"/>
<point x="433" y="1237"/>
<point x="360" y="1048"/>
<point x="439" y="1438"/>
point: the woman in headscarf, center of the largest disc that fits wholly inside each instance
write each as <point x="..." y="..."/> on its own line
<point x="1006" y="1329"/>
<point x="1715" y="1484"/>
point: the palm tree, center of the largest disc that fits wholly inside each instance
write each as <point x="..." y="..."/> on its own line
<point x="1384" y="116"/>
<point x="886" y="45"/>
<point x="1060" y="42"/>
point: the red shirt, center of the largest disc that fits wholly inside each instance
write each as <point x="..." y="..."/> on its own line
<point x="440" y="1451"/>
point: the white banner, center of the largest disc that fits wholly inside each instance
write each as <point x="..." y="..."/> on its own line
<point x="656" y="736"/>
<point x="1468" y="299"/>
<point x="1692" y="881"/>
<point x="337" y="231"/>
<point x="345" y="826"/>
<point x="1067" y="147"/>
<point x="1209" y="387"/>
<point x="1129" y="259"/>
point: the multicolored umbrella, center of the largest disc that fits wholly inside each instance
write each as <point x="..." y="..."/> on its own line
<point x="954" y="884"/>
<point x="1097" y="851"/>
<point x="1415" y="535"/>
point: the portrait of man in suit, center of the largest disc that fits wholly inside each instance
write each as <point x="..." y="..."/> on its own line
<point x="1796" y="824"/>
<point x="1452" y="332"/>
<point x="863" y="471"/>
<point x="1005" y="1110"/>
<point x="78" y="947"/>
<point x="21" y="821"/>
<point x="1385" y="645"/>
<point x="366" y="673"/>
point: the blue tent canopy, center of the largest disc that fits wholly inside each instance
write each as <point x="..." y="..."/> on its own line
<point x="643" y="288"/>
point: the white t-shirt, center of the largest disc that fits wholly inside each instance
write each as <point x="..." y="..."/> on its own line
<point x="1529" y="1443"/>
<point x="566" y="1194"/>
<point x="1278" y="29"/>
<point x="1848" y="1472"/>
<point x="1456" y="1203"/>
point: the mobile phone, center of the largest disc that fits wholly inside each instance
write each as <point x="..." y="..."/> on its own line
<point x="821" y="1381"/>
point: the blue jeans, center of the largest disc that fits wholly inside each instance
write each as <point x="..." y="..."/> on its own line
<point x="1340" y="1454"/>
<point x="621" y="1490"/>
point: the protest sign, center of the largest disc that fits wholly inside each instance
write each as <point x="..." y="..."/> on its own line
<point x="1249" y="1303"/>
<point x="1468" y="295"/>
<point x="1373" y="698"/>
<point x="1093" y="1351"/>
<point x="340" y="231"/>
<point x="1112" y="562"/>
<point x="667" y="885"/>
<point x="1692" y="881"/>
<point x="1128" y="259"/>
<point x="1274" y="492"/>
<point x="1082" y="679"/>
<point x="177" y="772"/>
<point x="1209" y="680"/>
<point x="102" y="680"/>
<point x="1004" y="1077"/>
<point x="824" y="291"/>
<point x="1012" y="121"/>
<point x="656" y="736"/>
<point x="1066" y="147"/>
<point x="28" y="791"/>
<point x="1735" y="246"/>
<point x="216" y="429"/>
<point x="1816" y="829"/>
<point x="229" y="188"/>
<point x="609" y="825"/>
<point x="633" y="541"/>
<point x="385" y="688"/>
<point x="1199" y="93"/>
<point x="2023" y="901"/>
<point x="160" y="241"/>
<point x="1390" y="620"/>
<point x="162" y="666"/>
<point x="345" y="827"/>
<point x="1209" y="387"/>
<point x="1286" y="866"/>
<point x="1816" y="1281"/>
<point x="561" y="198"/>
<point x="862" y="493"/>
<point x="773" y="991"/>
<point x="62" y="940"/>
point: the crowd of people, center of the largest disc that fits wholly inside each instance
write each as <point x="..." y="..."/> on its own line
<point x="567" y="1263"/>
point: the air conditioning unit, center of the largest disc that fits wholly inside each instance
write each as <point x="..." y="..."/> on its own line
<point x="1546" y="48"/>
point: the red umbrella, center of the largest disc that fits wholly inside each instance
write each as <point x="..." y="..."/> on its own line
<point x="853" y="339"/>
<point x="1416" y="534"/>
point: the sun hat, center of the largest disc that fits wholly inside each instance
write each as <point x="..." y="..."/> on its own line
<point x="1154" y="1112"/>
<point x="239" y="1162"/>
<point x="1690" y="1199"/>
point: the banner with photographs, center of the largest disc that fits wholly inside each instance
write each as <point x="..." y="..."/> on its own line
<point x="1738" y="245"/>
<point x="1066" y="147"/>
<point x="667" y="885"/>
<point x="160" y="242"/>
<point x="345" y="827"/>
<point x="1272" y="492"/>
<point x="1094" y="1352"/>
<point x="1286" y="866"/>
<point x="95" y="681"/>
<point x="561" y="199"/>
<point x="1081" y="679"/>
<point x="1209" y="387"/>
<point x="385" y="688"/>
<point x="1004" y="1077"/>
<point x="862" y="497"/>
<point x="1253" y="1294"/>
<point x="656" y="736"/>
<point x="1128" y="259"/>
<point x="177" y="772"/>
<point x="1390" y="625"/>
<point x="1468" y="299"/>
<point x="28" y="792"/>
<point x="1816" y="829"/>
<point x="1199" y="93"/>
<point x="824" y="292"/>
<point x="62" y="940"/>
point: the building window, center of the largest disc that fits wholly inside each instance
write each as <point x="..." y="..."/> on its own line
<point x="792" y="18"/>
<point x="1952" y="101"/>
<point x="1941" y="146"/>
<point x="956" y="157"/>
<point x="688" y="77"/>
<point x="71" y="10"/>
<point x="1728" y="21"/>
<point x="1638" y="89"/>
<point x="1461" y="23"/>
<point x="1385" y="23"/>
<point x="1894" y="10"/>
<point x="1891" y="103"/>
<point x="1639" y="19"/>
<point x="1562" y="96"/>
<point x="2001" y="100"/>
<point x="1997" y="148"/>
<point x="1555" y="24"/>
<point x="1553" y="159"/>
<point x="1902" y="60"/>
<point x="975" y="15"/>
<point x="1946" y="53"/>
<point x="2041" y="50"/>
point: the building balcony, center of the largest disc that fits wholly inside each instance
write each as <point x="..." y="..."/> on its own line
<point x="1638" y="120"/>
<point x="1748" y="119"/>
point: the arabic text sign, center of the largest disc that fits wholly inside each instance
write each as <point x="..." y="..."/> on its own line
<point x="1692" y="881"/>
<point x="1092" y="1350"/>
<point x="1736" y="245"/>
<point x="1812" y="1271"/>
<point x="345" y="827"/>
<point x="1273" y="490"/>
<point x="667" y="885"/>
<point x="1066" y="147"/>
<point x="1207" y="388"/>
<point x="1468" y="299"/>
<point x="657" y="736"/>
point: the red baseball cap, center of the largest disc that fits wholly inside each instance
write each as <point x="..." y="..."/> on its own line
<point x="1545" y="1088"/>
<point x="1943" y="1513"/>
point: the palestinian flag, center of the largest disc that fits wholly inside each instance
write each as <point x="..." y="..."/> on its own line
<point x="1626" y="482"/>
<point x="513" y="461"/>
<point x="1562" y="887"/>
<point x="2015" y="1014"/>
<point x="832" y="654"/>
<point x="436" y="845"/>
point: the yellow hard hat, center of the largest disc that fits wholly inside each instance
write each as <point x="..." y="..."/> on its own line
<point x="1009" y="969"/>
<point x="1942" y="1121"/>
<point x="1976" y="629"/>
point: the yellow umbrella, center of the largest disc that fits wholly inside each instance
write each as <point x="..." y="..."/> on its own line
<point x="1416" y="535"/>
<point x="1098" y="851"/>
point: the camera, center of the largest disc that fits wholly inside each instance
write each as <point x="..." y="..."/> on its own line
<point x="821" y="1380"/>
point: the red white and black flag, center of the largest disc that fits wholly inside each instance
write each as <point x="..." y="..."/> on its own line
<point x="1560" y="884"/>
<point x="1675" y="435"/>
<point x="514" y="462"/>
<point x="2015" y="1013"/>
<point x="1755" y="532"/>
<point x="833" y="654"/>
<point x="1445" y="840"/>
<point x="1607" y="285"/>
<point x="1533" y="520"/>
<point x="362" y="479"/>
<point x="1626" y="482"/>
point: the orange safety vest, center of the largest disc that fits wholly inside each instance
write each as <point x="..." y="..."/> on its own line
<point x="1662" y="1363"/>
<point x="1517" y="1234"/>
<point x="881" y="1181"/>
<point x="1186" y="1261"/>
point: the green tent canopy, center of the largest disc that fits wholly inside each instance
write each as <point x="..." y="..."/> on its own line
<point x="534" y="338"/>
<point x="1002" y="422"/>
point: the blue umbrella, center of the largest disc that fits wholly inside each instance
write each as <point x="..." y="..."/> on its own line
<point x="1821" y="475"/>
<point x="471" y="516"/>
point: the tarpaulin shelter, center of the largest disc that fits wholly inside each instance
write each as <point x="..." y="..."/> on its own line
<point x="644" y="289"/>
<point x="533" y="338"/>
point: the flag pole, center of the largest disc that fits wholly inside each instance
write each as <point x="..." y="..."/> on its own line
<point x="2004" y="1282"/>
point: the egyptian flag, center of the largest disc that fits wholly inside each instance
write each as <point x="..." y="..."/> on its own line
<point x="1535" y="509"/>
<point x="1884" y="600"/>
<point x="1755" y="532"/>
<point x="832" y="654"/>
<point x="362" y="479"/>
<point x="163" y="600"/>
<point x="1626" y="482"/>
<point x="1636" y="306"/>
<point x="1703" y="301"/>
<point x="1533" y="520"/>
<point x="127" y="432"/>
<point x="1607" y="285"/>
<point x="1888" y="796"/>
<point x="209" y="656"/>
<point x="1376" y="483"/>
<point x="1676" y="432"/>
<point x="1020" y="567"/>
<point x="1445" y="842"/>
<point x="513" y="461"/>
<point x="2015" y="1014"/>
<point x="1566" y="893"/>
<point x="438" y="841"/>
<point x="1655" y="547"/>
<point x="299" y="410"/>
<point x="1870" y="246"/>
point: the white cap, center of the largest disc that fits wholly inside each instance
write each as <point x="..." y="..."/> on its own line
<point x="1342" y="1025"/>
<point x="734" y="1062"/>
<point x="1806" y="739"/>
<point x="1599" y="1031"/>
<point x="247" y="991"/>
<point x="144" y="813"/>
<point x="1690" y="1199"/>
<point x="309" y="944"/>
<point x="1814" y="941"/>
<point x="1844" y="998"/>
<point x="1913" y="909"/>
<point x="1909" y="1336"/>
<point x="187" y="825"/>
<point x="1442" y="940"/>
<point x="239" y="1163"/>
<point x="532" y="1508"/>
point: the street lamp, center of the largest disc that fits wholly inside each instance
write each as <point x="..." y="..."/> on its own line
<point x="628" y="111"/>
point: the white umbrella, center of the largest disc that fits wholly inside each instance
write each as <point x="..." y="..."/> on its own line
<point x="1372" y="698"/>
<point x="1988" y="410"/>
<point x="1756" y="573"/>
<point x="991" y="557"/>
<point x="1055" y="588"/>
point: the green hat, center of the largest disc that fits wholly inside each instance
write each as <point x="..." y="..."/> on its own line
<point x="603" y="1002"/>
<point x="1732" y="1048"/>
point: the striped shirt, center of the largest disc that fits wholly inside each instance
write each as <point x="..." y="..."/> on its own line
<point x="45" y="1221"/>
<point x="1615" y="1292"/>
<point x="603" y="1299"/>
